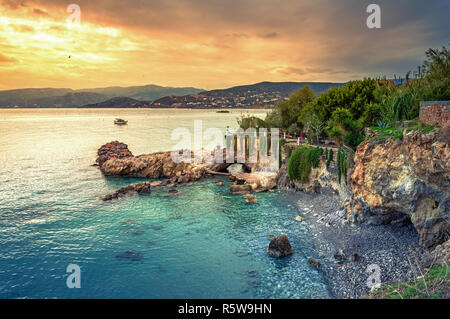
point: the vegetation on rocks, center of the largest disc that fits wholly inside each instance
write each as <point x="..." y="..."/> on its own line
<point x="434" y="284"/>
<point x="329" y="157"/>
<point x="302" y="160"/>
<point x="342" y="165"/>
<point x="342" y="113"/>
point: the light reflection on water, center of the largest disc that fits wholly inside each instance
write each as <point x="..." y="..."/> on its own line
<point x="201" y="243"/>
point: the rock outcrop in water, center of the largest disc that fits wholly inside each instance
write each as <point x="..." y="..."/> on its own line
<point x="114" y="158"/>
<point x="139" y="188"/>
<point x="112" y="150"/>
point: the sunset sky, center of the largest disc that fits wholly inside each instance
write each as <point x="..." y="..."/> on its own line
<point x="212" y="43"/>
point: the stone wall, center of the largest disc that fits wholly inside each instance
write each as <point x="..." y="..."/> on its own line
<point x="435" y="112"/>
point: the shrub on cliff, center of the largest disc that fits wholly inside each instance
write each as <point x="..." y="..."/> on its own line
<point x="342" y="165"/>
<point x="301" y="161"/>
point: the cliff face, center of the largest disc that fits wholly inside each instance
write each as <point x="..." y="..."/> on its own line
<point x="409" y="177"/>
<point x="392" y="181"/>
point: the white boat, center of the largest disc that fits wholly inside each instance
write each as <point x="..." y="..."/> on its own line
<point x="120" y="122"/>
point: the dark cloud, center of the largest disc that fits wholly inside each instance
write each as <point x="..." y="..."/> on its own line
<point x="313" y="37"/>
<point x="269" y="35"/>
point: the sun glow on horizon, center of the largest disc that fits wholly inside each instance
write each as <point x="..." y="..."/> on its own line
<point x="176" y="44"/>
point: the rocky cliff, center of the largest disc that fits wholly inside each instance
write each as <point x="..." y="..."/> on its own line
<point x="409" y="178"/>
<point x="392" y="181"/>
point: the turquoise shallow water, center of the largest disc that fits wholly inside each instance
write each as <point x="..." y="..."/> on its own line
<point x="201" y="243"/>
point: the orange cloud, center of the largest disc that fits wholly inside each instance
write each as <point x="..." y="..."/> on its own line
<point x="209" y="43"/>
<point x="5" y="59"/>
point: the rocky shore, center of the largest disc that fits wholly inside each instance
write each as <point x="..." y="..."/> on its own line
<point x="390" y="216"/>
<point x="114" y="158"/>
<point x="346" y="250"/>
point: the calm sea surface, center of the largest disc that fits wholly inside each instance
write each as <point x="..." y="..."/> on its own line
<point x="201" y="243"/>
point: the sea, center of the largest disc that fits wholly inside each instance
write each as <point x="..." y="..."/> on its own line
<point x="200" y="243"/>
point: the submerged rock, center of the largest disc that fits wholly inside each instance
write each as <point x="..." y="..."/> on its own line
<point x="139" y="188"/>
<point x="131" y="255"/>
<point x="250" y="199"/>
<point x="220" y="183"/>
<point x="314" y="262"/>
<point x="240" y="189"/>
<point x="129" y="222"/>
<point x="280" y="247"/>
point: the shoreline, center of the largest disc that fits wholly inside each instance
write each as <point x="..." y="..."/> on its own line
<point x="355" y="256"/>
<point x="394" y="248"/>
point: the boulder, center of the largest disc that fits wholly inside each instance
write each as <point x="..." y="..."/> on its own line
<point x="111" y="150"/>
<point x="131" y="255"/>
<point x="280" y="247"/>
<point x="441" y="254"/>
<point x="339" y="255"/>
<point x="114" y="158"/>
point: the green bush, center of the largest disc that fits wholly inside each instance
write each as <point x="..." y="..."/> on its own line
<point x="342" y="164"/>
<point x="342" y="127"/>
<point x="282" y="142"/>
<point x="372" y="114"/>
<point x="302" y="160"/>
<point x="329" y="156"/>
<point x="353" y="96"/>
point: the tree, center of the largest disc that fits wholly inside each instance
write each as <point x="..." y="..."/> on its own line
<point x="289" y="110"/>
<point x="354" y="96"/>
<point x="342" y="127"/>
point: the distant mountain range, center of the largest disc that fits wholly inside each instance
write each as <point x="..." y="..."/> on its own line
<point x="119" y="102"/>
<point x="264" y="94"/>
<point x="49" y="97"/>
